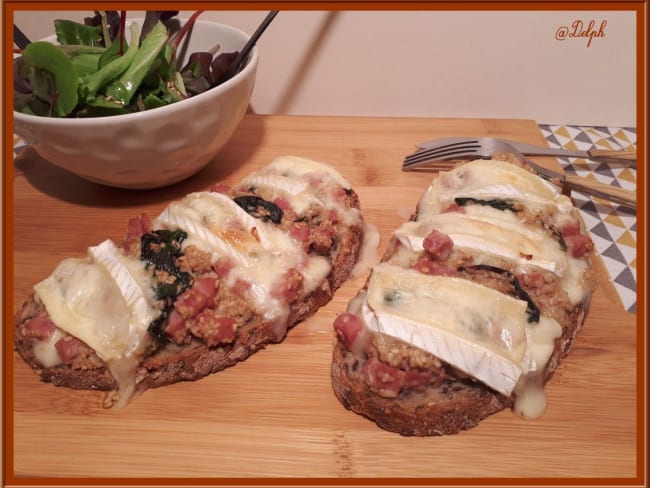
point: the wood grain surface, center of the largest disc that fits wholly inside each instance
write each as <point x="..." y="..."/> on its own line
<point x="275" y="415"/>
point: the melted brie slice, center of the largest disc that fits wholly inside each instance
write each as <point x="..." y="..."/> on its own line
<point x="295" y="167"/>
<point x="304" y="183"/>
<point x="496" y="180"/>
<point x="261" y="251"/>
<point x="518" y="244"/>
<point x="106" y="300"/>
<point x="472" y="327"/>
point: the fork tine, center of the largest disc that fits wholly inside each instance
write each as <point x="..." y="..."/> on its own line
<point x="456" y="149"/>
<point x="422" y="158"/>
<point x="429" y="166"/>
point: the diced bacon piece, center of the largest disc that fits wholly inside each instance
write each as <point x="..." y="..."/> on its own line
<point x="333" y="215"/>
<point x="289" y="286"/>
<point x="340" y="193"/>
<point x="579" y="245"/>
<point x="299" y="231"/>
<point x="438" y="244"/>
<point x="176" y="327"/>
<point x="322" y="238"/>
<point x="241" y="286"/>
<point x="348" y="326"/>
<point x="570" y="228"/>
<point x="419" y="379"/>
<point x="454" y="207"/>
<point x="385" y="379"/>
<point x="207" y="286"/>
<point x="283" y="203"/>
<point x="222" y="267"/>
<point x="196" y="298"/>
<point x="40" y="327"/>
<point x="137" y="226"/>
<point x="69" y="348"/>
<point x="531" y="279"/>
<point x="213" y="327"/>
<point x="428" y="266"/>
<point x="221" y="188"/>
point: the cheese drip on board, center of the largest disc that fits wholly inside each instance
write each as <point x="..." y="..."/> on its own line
<point x="107" y="301"/>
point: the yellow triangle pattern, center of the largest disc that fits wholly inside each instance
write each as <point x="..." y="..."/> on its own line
<point x="570" y="145"/>
<point x="603" y="143"/>
<point x="614" y="220"/>
<point x="562" y="131"/>
<point x="621" y="136"/>
<point x="627" y="175"/>
<point x="626" y="239"/>
<point x="606" y="138"/>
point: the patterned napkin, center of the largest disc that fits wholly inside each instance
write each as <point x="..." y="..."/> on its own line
<point x="612" y="228"/>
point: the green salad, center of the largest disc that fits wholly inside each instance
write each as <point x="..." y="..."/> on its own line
<point x="94" y="71"/>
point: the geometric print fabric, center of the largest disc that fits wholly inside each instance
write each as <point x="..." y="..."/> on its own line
<point x="612" y="228"/>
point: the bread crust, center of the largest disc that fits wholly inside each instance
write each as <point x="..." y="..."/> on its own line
<point x="448" y="409"/>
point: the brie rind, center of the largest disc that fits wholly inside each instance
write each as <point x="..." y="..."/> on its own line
<point x="105" y="300"/>
<point x="478" y="330"/>
<point x="496" y="180"/>
<point x="520" y="245"/>
<point x="294" y="166"/>
<point x="260" y="251"/>
<point x="297" y="191"/>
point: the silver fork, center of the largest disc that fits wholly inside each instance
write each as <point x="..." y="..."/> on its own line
<point x="438" y="158"/>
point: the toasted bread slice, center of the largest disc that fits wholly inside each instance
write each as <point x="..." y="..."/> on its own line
<point x="211" y="280"/>
<point x="474" y="304"/>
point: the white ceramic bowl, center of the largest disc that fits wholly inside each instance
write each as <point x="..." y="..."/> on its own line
<point x="157" y="147"/>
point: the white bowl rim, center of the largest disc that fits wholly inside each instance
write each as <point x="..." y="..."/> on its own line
<point x="122" y="118"/>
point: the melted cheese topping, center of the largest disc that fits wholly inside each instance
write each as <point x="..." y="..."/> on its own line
<point x="45" y="351"/>
<point x="106" y="300"/>
<point x="520" y="245"/>
<point x="261" y="252"/>
<point x="495" y="180"/>
<point x="486" y="231"/>
<point x="297" y="167"/>
<point x="477" y="329"/>
<point x="304" y="183"/>
<point x="474" y="328"/>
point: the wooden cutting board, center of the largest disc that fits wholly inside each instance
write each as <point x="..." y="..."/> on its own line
<point x="275" y="415"/>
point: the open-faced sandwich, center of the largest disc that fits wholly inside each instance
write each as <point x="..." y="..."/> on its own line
<point x="211" y="280"/>
<point x="472" y="307"/>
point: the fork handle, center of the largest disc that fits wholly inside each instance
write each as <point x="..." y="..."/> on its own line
<point x="606" y="155"/>
<point x="601" y="190"/>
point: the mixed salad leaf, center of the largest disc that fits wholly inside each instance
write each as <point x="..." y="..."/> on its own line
<point x="94" y="71"/>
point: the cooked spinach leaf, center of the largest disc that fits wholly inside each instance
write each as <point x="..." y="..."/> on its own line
<point x="260" y="208"/>
<point x="532" y="310"/>
<point x="495" y="203"/>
